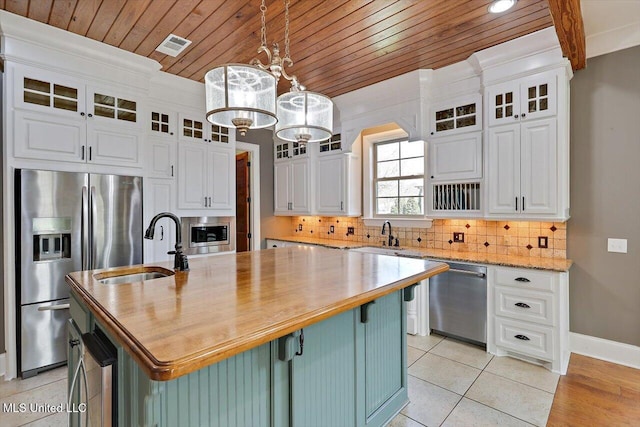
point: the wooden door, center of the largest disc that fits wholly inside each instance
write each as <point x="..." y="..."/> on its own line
<point x="243" y="225"/>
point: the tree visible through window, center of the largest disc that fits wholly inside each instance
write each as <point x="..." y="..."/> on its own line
<point x="399" y="178"/>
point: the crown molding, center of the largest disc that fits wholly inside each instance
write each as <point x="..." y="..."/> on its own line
<point x="34" y="43"/>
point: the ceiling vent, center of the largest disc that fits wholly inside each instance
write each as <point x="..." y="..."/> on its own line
<point x="173" y="45"/>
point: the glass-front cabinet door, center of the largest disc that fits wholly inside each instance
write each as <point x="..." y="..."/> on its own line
<point x="456" y="116"/>
<point x="524" y="99"/>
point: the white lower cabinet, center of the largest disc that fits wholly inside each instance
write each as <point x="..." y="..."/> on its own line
<point x="528" y="316"/>
<point x="271" y="243"/>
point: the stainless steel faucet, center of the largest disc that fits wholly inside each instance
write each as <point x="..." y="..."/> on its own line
<point x="383" y="232"/>
<point x="180" y="261"/>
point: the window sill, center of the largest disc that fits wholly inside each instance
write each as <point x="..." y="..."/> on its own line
<point x="399" y="222"/>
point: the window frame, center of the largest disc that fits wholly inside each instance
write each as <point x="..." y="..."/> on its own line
<point x="375" y="179"/>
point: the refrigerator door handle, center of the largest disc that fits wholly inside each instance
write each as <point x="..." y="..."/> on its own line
<point x="94" y="214"/>
<point x="84" y="233"/>
<point x="54" y="307"/>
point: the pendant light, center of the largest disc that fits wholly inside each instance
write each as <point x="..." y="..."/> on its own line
<point x="303" y="116"/>
<point x="243" y="96"/>
<point x="240" y="96"/>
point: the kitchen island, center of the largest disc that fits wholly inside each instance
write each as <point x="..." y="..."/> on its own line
<point x="290" y="336"/>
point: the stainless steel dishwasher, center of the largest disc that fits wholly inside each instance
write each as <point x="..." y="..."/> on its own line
<point x="458" y="302"/>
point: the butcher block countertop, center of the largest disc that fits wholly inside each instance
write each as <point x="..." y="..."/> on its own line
<point x="231" y="303"/>
<point x="538" y="263"/>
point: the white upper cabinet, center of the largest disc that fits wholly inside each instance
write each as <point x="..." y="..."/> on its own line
<point x="338" y="180"/>
<point x="456" y="116"/>
<point x="528" y="148"/>
<point x="524" y="99"/>
<point x="206" y="169"/>
<point x="161" y="143"/>
<point x="292" y="187"/>
<point x="60" y="118"/>
<point x="522" y="173"/>
<point x="162" y="123"/>
<point x="456" y="157"/>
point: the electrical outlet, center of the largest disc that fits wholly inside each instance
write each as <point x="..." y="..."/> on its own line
<point x="458" y="237"/>
<point x="332" y="229"/>
<point x="351" y="230"/>
<point x="543" y="242"/>
<point x="617" y="245"/>
<point x="299" y="227"/>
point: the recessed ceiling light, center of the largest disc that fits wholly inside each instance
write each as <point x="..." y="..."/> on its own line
<point x="499" y="6"/>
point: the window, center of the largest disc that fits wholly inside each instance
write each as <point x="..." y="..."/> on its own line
<point x="399" y="178"/>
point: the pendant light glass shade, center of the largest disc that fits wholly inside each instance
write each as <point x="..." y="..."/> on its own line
<point x="240" y="96"/>
<point x="304" y="117"/>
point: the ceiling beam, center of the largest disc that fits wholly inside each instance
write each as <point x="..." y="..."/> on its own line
<point x="567" y="19"/>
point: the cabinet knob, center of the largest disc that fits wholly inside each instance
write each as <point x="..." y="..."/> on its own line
<point x="90" y="115"/>
<point x="522" y="337"/>
<point x="170" y="133"/>
<point x="524" y="115"/>
<point x="432" y="133"/>
<point x="431" y="176"/>
<point x="515" y="116"/>
<point x="82" y="113"/>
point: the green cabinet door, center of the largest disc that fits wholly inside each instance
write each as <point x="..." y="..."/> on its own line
<point x="323" y="378"/>
<point x="384" y="357"/>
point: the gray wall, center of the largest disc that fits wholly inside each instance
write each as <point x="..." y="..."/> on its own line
<point x="270" y="226"/>
<point x="605" y="197"/>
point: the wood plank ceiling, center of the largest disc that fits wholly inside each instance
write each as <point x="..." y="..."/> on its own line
<point x="337" y="46"/>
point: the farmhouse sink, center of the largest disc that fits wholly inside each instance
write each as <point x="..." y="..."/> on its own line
<point x="139" y="274"/>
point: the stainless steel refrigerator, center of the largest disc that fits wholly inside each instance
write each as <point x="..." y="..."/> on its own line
<point x="66" y="222"/>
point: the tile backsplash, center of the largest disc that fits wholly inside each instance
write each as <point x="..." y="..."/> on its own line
<point x="494" y="237"/>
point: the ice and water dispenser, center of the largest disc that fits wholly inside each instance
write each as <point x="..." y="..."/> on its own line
<point x="51" y="239"/>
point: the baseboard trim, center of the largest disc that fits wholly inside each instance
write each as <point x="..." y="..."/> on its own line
<point x="610" y="351"/>
<point x="3" y="364"/>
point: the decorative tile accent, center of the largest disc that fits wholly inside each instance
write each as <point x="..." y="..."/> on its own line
<point x="553" y="228"/>
<point x="450" y="241"/>
<point x="529" y="247"/>
<point x="468" y="226"/>
<point x="502" y="237"/>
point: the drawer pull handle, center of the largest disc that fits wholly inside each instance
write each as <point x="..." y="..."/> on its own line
<point x="521" y="304"/>
<point x="522" y="337"/>
<point x="522" y="279"/>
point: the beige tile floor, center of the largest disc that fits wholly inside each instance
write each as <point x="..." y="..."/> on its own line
<point x="450" y="384"/>
<point x="46" y="388"/>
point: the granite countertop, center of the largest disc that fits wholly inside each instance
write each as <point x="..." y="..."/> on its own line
<point x="231" y="303"/>
<point x="551" y="264"/>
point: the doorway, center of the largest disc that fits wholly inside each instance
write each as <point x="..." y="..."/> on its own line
<point x="247" y="197"/>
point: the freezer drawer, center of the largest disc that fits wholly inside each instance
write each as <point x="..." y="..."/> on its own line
<point x="43" y="335"/>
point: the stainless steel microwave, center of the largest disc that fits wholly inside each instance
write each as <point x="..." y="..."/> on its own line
<point x="203" y="235"/>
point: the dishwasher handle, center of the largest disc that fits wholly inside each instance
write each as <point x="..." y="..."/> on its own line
<point x="471" y="273"/>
